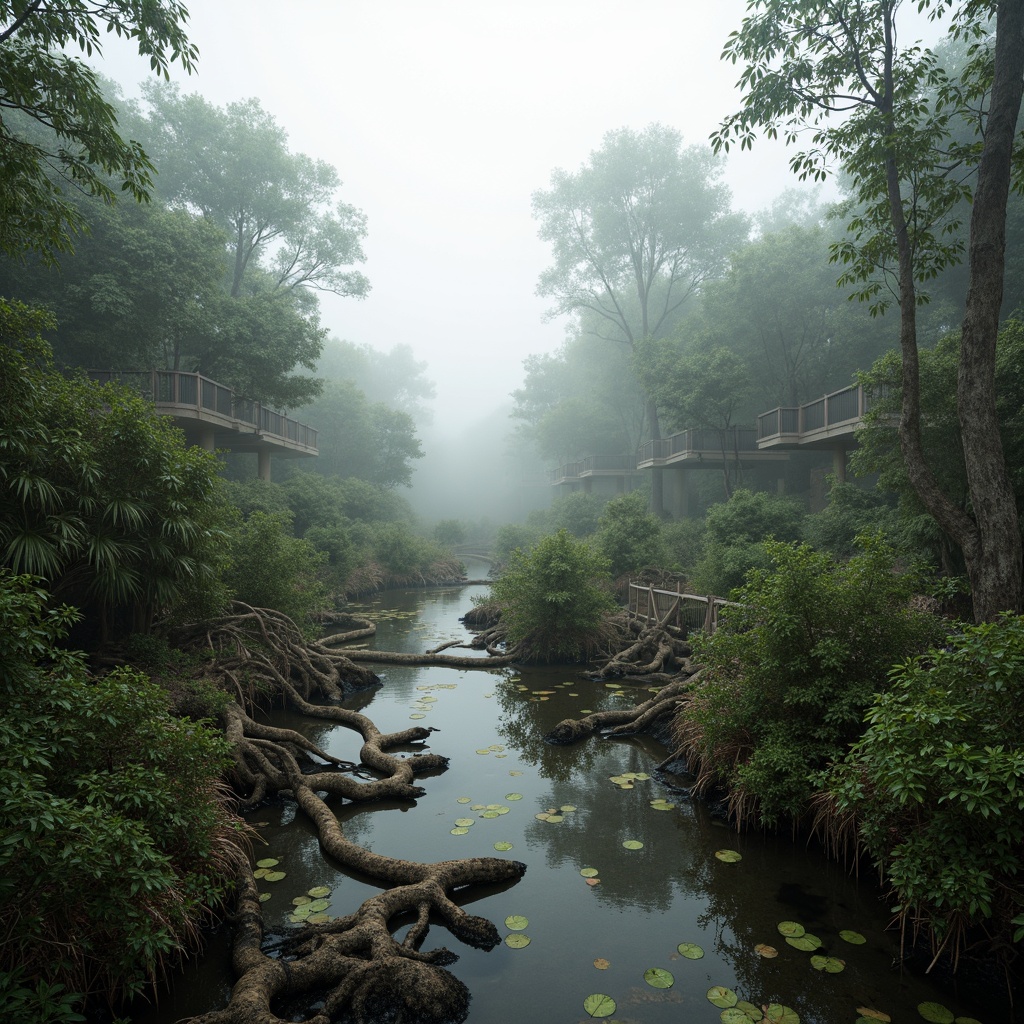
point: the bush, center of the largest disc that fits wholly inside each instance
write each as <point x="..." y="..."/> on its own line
<point x="513" y="537"/>
<point x="554" y="598"/>
<point x="629" y="535"/>
<point x="269" y="568"/>
<point x="576" y="513"/>
<point x="113" y="842"/>
<point x="789" y="674"/>
<point x="735" y="532"/>
<point x="850" y="512"/>
<point x="937" y="784"/>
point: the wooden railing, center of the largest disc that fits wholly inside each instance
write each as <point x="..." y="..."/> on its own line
<point x="178" y="393"/>
<point x="840" y="408"/>
<point x="698" y="441"/>
<point x="688" y="612"/>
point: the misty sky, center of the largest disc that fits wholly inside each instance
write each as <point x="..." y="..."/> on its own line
<point x="442" y="117"/>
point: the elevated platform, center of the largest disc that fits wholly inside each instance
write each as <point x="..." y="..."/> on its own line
<point x="818" y="424"/>
<point x="212" y="416"/>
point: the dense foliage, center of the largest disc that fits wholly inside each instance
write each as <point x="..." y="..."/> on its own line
<point x="114" y="843"/>
<point x="80" y="148"/>
<point x="553" y="598"/>
<point x="935" y="784"/>
<point x="101" y="498"/>
<point x="791" y="670"/>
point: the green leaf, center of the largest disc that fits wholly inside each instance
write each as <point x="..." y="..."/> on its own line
<point x="656" y="977"/>
<point x="517" y="940"/>
<point x="936" y="1013"/>
<point x="722" y="997"/>
<point x="516" y="922"/>
<point x="690" y="950"/>
<point x="599" y="1005"/>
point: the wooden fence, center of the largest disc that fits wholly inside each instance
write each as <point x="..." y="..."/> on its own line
<point x="689" y="612"/>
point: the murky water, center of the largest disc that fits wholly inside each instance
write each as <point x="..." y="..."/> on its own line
<point x="648" y="901"/>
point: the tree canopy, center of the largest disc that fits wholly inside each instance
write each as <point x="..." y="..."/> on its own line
<point x="79" y="146"/>
<point x="834" y="73"/>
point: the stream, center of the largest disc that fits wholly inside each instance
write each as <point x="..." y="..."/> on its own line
<point x="584" y="939"/>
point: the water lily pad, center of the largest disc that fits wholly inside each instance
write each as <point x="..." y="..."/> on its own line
<point x="542" y="816"/>
<point x="593" y="881"/>
<point x="414" y="717"/>
<point x="459" y="830"/>
<point x="301" y="901"/>
<point x="589" y="872"/>
<point x="734" y="1015"/>
<point x="502" y="845"/>
<point x="274" y="876"/>
<point x="318" y="905"/>
<point x="854" y="938"/>
<point x="516" y="922"/>
<point x="490" y="814"/>
<point x="690" y="950"/>
<point x="513" y="796"/>
<point x="601" y="964"/>
<point x="633" y="844"/>
<point x="517" y="940"/>
<point x="662" y="805"/>
<point x="656" y="977"/>
<point x="264" y="896"/>
<point x="626" y="785"/>
<point x="791" y="929"/>
<point x="753" y="1012"/>
<point x="586" y="711"/>
<point x="302" y="912"/>
<point x="464" y="800"/>
<point x="427" y="700"/>
<point x="463" y="822"/>
<point x="514" y="773"/>
<point x="502" y="810"/>
<point x="828" y="964"/>
<point x="261" y="873"/>
<point x="267" y="862"/>
<point x="567" y="808"/>
<point x="641" y="776"/>
<point x="483" y="750"/>
<point x="768" y="952"/>
<point x="776" y="1013"/>
<point x="496" y="746"/>
<point x="936" y="1013"/>
<point x="728" y="856"/>
<point x="318" y="892"/>
<point x="478" y="807"/>
<point x="599" y="1005"/>
<point x="722" y="997"/>
<point x="806" y="942"/>
<point x="554" y="819"/>
<point x="320" y="918"/>
<point x="866" y="1011"/>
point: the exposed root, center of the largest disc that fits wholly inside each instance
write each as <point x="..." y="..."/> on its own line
<point x="352" y="966"/>
<point x="627" y="722"/>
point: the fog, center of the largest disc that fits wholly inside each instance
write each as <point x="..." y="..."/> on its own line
<point x="442" y="119"/>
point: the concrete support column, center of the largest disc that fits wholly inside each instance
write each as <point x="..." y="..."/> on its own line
<point x="263" y="464"/>
<point x="682" y="495"/>
<point x="207" y="438"/>
<point x="587" y="483"/>
<point x="839" y="464"/>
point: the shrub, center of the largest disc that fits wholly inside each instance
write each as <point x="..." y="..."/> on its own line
<point x="554" y="598"/>
<point x="735" y="532"/>
<point x="269" y="568"/>
<point x="788" y="674"/>
<point x="577" y="513"/>
<point x="936" y="784"/>
<point x="850" y="512"/>
<point x="113" y="842"/>
<point x="629" y="535"/>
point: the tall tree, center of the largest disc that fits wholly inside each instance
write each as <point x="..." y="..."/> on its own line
<point x="806" y="61"/>
<point x="80" y="148"/>
<point x="279" y="209"/>
<point x="634" y="233"/>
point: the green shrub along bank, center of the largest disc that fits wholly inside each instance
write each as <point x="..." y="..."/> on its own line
<point x="554" y="599"/>
<point x="934" y="789"/>
<point x="114" y="841"/>
<point x="790" y="672"/>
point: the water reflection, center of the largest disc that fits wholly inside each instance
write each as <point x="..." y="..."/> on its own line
<point x="648" y="900"/>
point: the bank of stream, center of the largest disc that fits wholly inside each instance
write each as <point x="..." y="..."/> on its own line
<point x="619" y="875"/>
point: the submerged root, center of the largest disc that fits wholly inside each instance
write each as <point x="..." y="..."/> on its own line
<point x="351" y="967"/>
<point x="626" y="722"/>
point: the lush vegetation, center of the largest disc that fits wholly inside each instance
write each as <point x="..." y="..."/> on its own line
<point x="934" y="786"/>
<point x="114" y="840"/>
<point x="554" y="597"/>
<point x="791" y="671"/>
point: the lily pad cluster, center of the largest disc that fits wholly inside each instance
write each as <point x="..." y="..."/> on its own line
<point x="554" y="815"/>
<point x="628" y="780"/>
<point x="517" y="939"/>
<point x="463" y="825"/>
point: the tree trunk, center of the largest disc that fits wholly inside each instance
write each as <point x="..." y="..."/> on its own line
<point x="995" y="566"/>
<point x="657" y="473"/>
